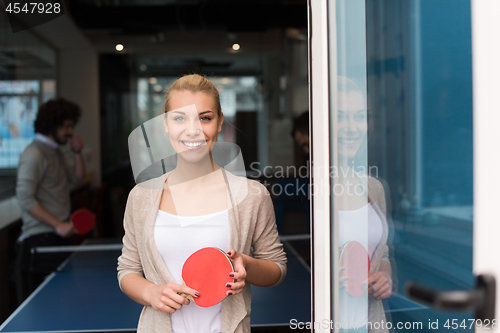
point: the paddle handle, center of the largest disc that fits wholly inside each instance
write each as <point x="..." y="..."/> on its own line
<point x="189" y="297"/>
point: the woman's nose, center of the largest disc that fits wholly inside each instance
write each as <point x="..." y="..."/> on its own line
<point x="193" y="128"/>
<point x="349" y="124"/>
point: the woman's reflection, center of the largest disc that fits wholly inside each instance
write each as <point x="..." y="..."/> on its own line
<point x="366" y="274"/>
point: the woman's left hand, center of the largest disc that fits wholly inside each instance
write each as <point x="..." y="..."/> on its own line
<point x="380" y="285"/>
<point x="239" y="274"/>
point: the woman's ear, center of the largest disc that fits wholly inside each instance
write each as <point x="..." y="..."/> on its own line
<point x="220" y="122"/>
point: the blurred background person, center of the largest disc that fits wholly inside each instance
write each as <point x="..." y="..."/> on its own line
<point x="300" y="132"/>
<point x="43" y="183"/>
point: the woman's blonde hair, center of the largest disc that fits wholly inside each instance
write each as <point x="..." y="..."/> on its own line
<point x="194" y="83"/>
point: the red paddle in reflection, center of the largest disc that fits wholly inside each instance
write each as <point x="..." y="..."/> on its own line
<point x="83" y="220"/>
<point x="207" y="271"/>
<point x="354" y="258"/>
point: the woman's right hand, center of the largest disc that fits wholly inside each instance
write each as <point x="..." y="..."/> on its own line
<point x="165" y="298"/>
<point x="343" y="280"/>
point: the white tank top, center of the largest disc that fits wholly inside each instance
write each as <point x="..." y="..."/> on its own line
<point x="176" y="238"/>
<point x="364" y="226"/>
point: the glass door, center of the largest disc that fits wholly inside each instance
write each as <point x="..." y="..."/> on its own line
<point x="392" y="123"/>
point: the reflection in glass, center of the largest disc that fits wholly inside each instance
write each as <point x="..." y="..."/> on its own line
<point x="365" y="269"/>
<point x="412" y="64"/>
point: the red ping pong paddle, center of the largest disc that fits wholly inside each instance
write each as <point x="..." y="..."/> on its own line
<point x="356" y="261"/>
<point x="207" y="271"/>
<point x="83" y="220"/>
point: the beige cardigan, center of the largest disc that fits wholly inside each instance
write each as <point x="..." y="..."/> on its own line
<point x="377" y="197"/>
<point x="251" y="225"/>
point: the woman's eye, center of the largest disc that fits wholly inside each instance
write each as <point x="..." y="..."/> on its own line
<point x="360" y="117"/>
<point x="205" y="118"/>
<point x="179" y="119"/>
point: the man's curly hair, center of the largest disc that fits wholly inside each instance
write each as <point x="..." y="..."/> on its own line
<point x="53" y="113"/>
<point x="301" y="124"/>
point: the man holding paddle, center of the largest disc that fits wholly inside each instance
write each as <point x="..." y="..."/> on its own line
<point x="43" y="178"/>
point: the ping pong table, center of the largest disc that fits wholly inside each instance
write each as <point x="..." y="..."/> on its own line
<point x="84" y="296"/>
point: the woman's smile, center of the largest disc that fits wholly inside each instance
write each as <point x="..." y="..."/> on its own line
<point x="192" y="144"/>
<point x="348" y="141"/>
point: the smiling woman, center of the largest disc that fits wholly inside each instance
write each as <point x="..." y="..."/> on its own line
<point x="192" y="123"/>
<point x="365" y="268"/>
<point x="352" y="125"/>
<point x="193" y="118"/>
<point x="198" y="204"/>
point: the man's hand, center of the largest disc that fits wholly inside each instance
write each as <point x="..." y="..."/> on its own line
<point x="76" y="144"/>
<point x="65" y="230"/>
<point x="41" y="214"/>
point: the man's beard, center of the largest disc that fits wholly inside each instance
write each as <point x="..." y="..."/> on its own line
<point x="58" y="140"/>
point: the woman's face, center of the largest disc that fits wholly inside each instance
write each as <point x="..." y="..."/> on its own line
<point x="352" y="123"/>
<point x="192" y="124"/>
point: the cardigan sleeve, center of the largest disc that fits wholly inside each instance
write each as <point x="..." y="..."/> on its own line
<point x="129" y="261"/>
<point x="385" y="254"/>
<point x="385" y="206"/>
<point x="266" y="243"/>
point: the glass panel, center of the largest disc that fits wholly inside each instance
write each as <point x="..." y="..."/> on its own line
<point x="27" y="79"/>
<point x="356" y="234"/>
<point x="403" y="120"/>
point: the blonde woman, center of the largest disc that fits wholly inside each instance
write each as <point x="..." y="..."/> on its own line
<point x="196" y="205"/>
<point x="362" y="214"/>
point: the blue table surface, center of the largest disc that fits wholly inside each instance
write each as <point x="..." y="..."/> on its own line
<point x="85" y="297"/>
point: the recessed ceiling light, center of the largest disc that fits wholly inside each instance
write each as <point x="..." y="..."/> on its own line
<point x="119" y="47"/>
<point x="152" y="80"/>
<point x="236" y="47"/>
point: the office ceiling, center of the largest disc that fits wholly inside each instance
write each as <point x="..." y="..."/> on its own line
<point x="150" y="16"/>
<point x="170" y="35"/>
<point x="179" y="33"/>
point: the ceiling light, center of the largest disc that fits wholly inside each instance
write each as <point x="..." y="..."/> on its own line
<point x="236" y="47"/>
<point x="119" y="47"/>
<point x="152" y="80"/>
<point x="143" y="67"/>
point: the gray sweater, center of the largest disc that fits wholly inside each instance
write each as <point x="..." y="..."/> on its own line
<point x="43" y="177"/>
